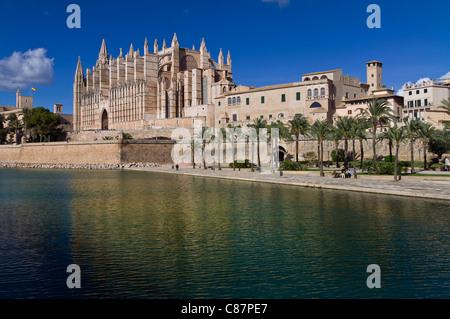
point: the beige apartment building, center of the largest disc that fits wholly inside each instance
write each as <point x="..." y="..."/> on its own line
<point x="422" y="101"/>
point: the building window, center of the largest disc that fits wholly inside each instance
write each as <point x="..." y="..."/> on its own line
<point x="426" y="102"/>
<point x="298" y="96"/>
<point x="410" y="92"/>
<point x="322" y="91"/>
<point x="283" y="97"/>
<point x="418" y="91"/>
<point x="281" y="115"/>
<point x="346" y="95"/>
<point x="234" y="101"/>
<point x="270" y="116"/>
<point x="316" y="92"/>
<point x="349" y="112"/>
<point x="262" y="116"/>
<point x="234" y="117"/>
<point x="219" y="122"/>
<point x="309" y="93"/>
<point x="262" y="99"/>
<point x="238" y="100"/>
<point x="219" y="103"/>
<point x="248" y="118"/>
<point x="425" y="91"/>
<point x="229" y="101"/>
<point x="247" y="101"/>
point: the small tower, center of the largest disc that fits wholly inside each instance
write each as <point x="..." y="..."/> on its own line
<point x="18" y="99"/>
<point x="374" y="75"/>
<point x="57" y="108"/>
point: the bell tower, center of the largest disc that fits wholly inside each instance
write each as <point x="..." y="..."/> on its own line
<point x="374" y="75"/>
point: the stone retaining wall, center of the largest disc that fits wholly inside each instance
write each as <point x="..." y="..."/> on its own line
<point x="101" y="152"/>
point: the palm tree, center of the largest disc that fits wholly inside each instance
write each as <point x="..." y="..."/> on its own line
<point x="203" y="135"/>
<point x="361" y="135"/>
<point x="345" y="124"/>
<point x="377" y="113"/>
<point x="320" y="130"/>
<point x="445" y="105"/>
<point x="336" y="136"/>
<point x="298" y="126"/>
<point x="194" y="145"/>
<point x="258" y="124"/>
<point x="412" y="128"/>
<point x="353" y="134"/>
<point x="232" y="139"/>
<point x="397" y="135"/>
<point x="27" y="113"/>
<point x="426" y="132"/>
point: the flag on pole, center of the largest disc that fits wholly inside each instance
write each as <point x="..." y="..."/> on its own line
<point x="34" y="89"/>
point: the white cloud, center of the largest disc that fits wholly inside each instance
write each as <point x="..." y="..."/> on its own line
<point x="420" y="81"/>
<point x="281" y="3"/>
<point x="26" y="69"/>
<point x="445" y="76"/>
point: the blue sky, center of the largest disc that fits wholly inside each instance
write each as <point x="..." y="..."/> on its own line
<point x="271" y="42"/>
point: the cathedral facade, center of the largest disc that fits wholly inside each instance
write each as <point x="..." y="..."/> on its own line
<point x="131" y="91"/>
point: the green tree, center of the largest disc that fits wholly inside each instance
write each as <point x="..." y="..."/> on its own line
<point x="3" y="131"/>
<point x="44" y="123"/>
<point x="258" y="124"/>
<point x="320" y="130"/>
<point x="27" y="113"/>
<point x="412" y="127"/>
<point x="346" y="125"/>
<point x="14" y="125"/>
<point x="298" y="126"/>
<point x="440" y="143"/>
<point x="377" y="113"/>
<point x="397" y="135"/>
<point x="425" y="133"/>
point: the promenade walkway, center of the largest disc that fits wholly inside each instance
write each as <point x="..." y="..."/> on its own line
<point x="432" y="187"/>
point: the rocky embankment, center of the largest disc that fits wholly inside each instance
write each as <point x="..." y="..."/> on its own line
<point x="79" y="166"/>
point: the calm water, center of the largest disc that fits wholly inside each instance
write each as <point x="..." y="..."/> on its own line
<point x="150" y="235"/>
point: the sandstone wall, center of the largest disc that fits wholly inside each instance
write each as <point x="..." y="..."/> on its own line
<point x="101" y="152"/>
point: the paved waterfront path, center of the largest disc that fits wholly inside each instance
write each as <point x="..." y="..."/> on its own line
<point x="423" y="187"/>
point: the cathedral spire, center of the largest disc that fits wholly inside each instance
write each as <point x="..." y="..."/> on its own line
<point x="175" y="41"/>
<point x="155" y="46"/>
<point x="103" y="55"/>
<point x="146" y="46"/>
<point x="79" y="72"/>
<point x="203" y="46"/>
<point x="164" y="44"/>
<point x="220" y="57"/>
<point x="229" y="58"/>
<point x="131" y="52"/>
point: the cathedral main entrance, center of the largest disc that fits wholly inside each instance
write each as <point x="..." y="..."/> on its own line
<point x="104" y="120"/>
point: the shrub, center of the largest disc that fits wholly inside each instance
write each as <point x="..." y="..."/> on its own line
<point x="246" y="164"/>
<point x="340" y="155"/>
<point x="310" y="156"/>
<point x="108" y="138"/>
<point x="292" y="166"/>
<point x="388" y="158"/>
<point x="383" y="168"/>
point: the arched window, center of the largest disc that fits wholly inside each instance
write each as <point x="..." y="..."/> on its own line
<point x="309" y="92"/>
<point x="238" y="100"/>
<point x="234" y="101"/>
<point x="322" y="91"/>
<point x="315" y="104"/>
<point x="229" y="101"/>
<point x="316" y="92"/>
